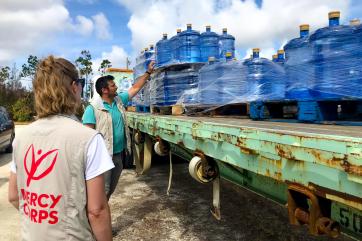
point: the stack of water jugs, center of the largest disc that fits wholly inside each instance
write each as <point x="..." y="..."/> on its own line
<point x="179" y="60"/>
<point x="142" y="62"/>
<point x="327" y="64"/>
<point x="321" y="66"/>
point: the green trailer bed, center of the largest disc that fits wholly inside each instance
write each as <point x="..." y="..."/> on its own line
<point x="292" y="163"/>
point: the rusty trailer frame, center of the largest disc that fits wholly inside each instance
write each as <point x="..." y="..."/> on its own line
<point x="315" y="169"/>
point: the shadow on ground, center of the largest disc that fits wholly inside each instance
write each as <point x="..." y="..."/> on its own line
<point x="141" y="210"/>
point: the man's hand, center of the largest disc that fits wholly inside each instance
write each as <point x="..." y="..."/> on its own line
<point x="151" y="67"/>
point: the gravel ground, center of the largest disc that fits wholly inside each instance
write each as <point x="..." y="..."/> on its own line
<point x="141" y="210"/>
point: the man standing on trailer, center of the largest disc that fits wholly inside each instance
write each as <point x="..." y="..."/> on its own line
<point x="107" y="115"/>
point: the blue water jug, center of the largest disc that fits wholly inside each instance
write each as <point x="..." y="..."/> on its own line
<point x="356" y="70"/>
<point x="209" y="45"/>
<point x="157" y="89"/>
<point x="227" y="44"/>
<point x="139" y="68"/>
<point x="275" y="58"/>
<point x="298" y="66"/>
<point x="334" y="60"/>
<point x="189" y="45"/>
<point x="175" y="84"/>
<point x="163" y="52"/>
<point x="281" y="59"/>
<point x="210" y="86"/>
<point x="174" y="41"/>
<point x="233" y="81"/>
<point x="266" y="79"/>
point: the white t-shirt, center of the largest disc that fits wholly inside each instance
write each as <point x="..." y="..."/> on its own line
<point x="98" y="159"/>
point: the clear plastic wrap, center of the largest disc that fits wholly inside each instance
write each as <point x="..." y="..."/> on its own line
<point x="218" y="83"/>
<point x="143" y="96"/>
<point x="142" y="62"/>
<point x="336" y="63"/>
<point x="174" y="84"/>
<point x="326" y="65"/>
<point x="267" y="79"/>
<point x="298" y="67"/>
<point x="223" y="83"/>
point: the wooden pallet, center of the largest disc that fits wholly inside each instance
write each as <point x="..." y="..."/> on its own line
<point x="235" y="110"/>
<point x="162" y="110"/>
<point x="131" y="108"/>
<point x="139" y="108"/>
<point x="341" y="111"/>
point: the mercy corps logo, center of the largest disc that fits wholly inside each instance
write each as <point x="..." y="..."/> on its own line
<point x="39" y="207"/>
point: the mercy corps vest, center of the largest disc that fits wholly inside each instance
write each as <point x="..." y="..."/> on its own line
<point x="50" y="157"/>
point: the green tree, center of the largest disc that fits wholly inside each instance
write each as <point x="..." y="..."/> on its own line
<point x="104" y="65"/>
<point x="23" y="109"/>
<point x="29" y="69"/>
<point x="84" y="65"/>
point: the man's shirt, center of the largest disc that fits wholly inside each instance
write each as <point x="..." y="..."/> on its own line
<point x="119" y="142"/>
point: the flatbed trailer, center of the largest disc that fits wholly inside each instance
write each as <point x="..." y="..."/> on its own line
<point x="315" y="170"/>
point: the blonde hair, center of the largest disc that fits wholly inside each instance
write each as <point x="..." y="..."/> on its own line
<point x="52" y="87"/>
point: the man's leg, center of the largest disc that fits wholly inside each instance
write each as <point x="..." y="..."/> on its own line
<point x="115" y="172"/>
<point x="107" y="181"/>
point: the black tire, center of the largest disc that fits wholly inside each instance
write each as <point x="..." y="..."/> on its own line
<point x="9" y="149"/>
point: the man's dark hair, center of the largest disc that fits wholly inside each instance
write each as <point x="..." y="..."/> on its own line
<point x="102" y="82"/>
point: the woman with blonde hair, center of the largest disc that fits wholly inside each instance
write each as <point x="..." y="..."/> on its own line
<point x="56" y="179"/>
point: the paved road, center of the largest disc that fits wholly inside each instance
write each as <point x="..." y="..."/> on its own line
<point x="141" y="210"/>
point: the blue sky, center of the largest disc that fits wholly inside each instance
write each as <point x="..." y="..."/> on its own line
<point x="115" y="29"/>
<point x="118" y="17"/>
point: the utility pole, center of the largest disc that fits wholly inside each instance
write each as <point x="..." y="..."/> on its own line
<point x="128" y="62"/>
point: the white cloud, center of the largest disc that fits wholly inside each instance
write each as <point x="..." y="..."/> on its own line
<point x="266" y="27"/>
<point x="102" y="26"/>
<point x="24" y="25"/>
<point x="27" y="26"/>
<point x="83" y="26"/>
<point x="117" y="56"/>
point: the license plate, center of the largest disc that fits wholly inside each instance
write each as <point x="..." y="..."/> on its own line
<point x="349" y="218"/>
